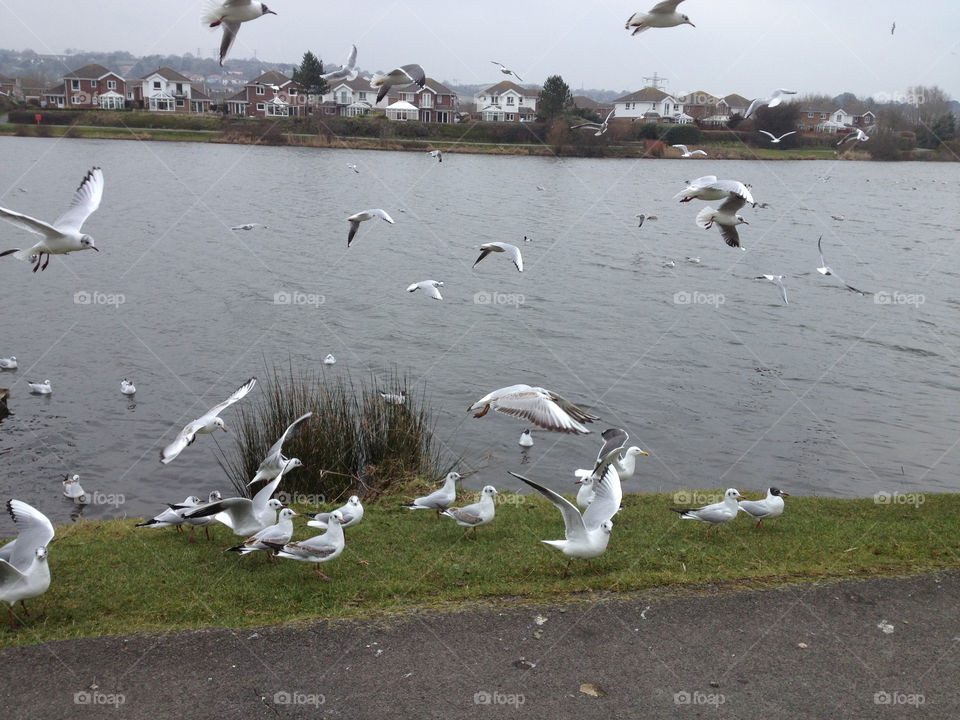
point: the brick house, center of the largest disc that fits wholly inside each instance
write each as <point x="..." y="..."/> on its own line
<point x="92" y="86"/>
<point x="507" y="102"/>
<point x="272" y="94"/>
<point x="166" y="90"/>
<point x="10" y="86"/>
<point x="433" y="103"/>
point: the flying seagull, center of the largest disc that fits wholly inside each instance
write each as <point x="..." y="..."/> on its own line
<point x="401" y="77"/>
<point x="858" y="135"/>
<point x="436" y="154"/>
<point x="600" y="128"/>
<point x="662" y="15"/>
<point x="501" y="247"/>
<point x="726" y="218"/>
<point x="230" y="13"/>
<point x="538" y="405"/>
<point x="689" y="153"/>
<point x="359" y="217"/>
<point x="825" y="269"/>
<point x="775" y="98"/>
<point x="275" y="461"/>
<point x="347" y="72"/>
<point x="64" y="235"/>
<point x="507" y="71"/>
<point x="778" y="281"/>
<point x="430" y="287"/>
<point x="709" y="188"/>
<point x="207" y="423"/>
<point x="24" y="572"/>
<point x="775" y="139"/>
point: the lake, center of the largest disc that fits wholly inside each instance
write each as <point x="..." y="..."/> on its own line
<point x="835" y="394"/>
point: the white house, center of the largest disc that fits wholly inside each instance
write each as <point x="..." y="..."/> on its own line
<point x="166" y="90"/>
<point x="652" y="105"/>
<point x="507" y="102"/>
<point x="352" y="97"/>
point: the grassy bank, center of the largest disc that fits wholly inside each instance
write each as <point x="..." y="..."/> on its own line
<point x="110" y="578"/>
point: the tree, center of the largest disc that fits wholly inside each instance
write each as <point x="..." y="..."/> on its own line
<point x="309" y="75"/>
<point x="554" y="99"/>
<point x="778" y="120"/>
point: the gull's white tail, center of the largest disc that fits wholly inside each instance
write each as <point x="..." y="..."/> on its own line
<point x="705" y="216"/>
<point x="212" y="13"/>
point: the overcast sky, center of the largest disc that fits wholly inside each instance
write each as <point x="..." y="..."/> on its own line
<point x="745" y="46"/>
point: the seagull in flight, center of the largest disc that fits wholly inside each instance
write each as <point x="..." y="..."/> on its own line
<point x="363" y="215"/>
<point x="726" y="217"/>
<point x="709" y="188"/>
<point x="858" y="136"/>
<point x="347" y="72"/>
<point x="401" y="77"/>
<point x="64" y="235"/>
<point x="430" y="287"/>
<point x="825" y="269"/>
<point x="778" y="281"/>
<point x="501" y="247"/>
<point x="507" y="71"/>
<point x="249" y="226"/>
<point x="689" y="153"/>
<point x="229" y="14"/>
<point x="775" y="139"/>
<point x="207" y="423"/>
<point x="276" y="462"/>
<point x="662" y="15"/>
<point x="536" y="404"/>
<point x="600" y="128"/>
<point x="775" y="98"/>
<point x="436" y="154"/>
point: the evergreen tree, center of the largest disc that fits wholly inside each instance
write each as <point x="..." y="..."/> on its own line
<point x="308" y="75"/>
<point x="555" y="98"/>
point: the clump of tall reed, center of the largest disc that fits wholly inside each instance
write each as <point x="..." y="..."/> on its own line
<point x="355" y="443"/>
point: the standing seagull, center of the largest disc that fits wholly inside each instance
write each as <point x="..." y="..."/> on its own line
<point x="230" y="13"/>
<point x="825" y="269"/>
<point x="351" y="513"/>
<point x="172" y="516"/>
<point x="477" y="514"/>
<point x="276" y="461"/>
<point x="363" y="215"/>
<point x="318" y="549"/>
<point x="439" y="499"/>
<point x="347" y="72"/>
<point x="64" y="235"/>
<point x="512" y="251"/>
<point x="778" y="281"/>
<point x="24" y="572"/>
<point x="507" y="71"/>
<point x="662" y="15"/>
<point x="714" y="514"/>
<point x="206" y="423"/>
<point x="775" y="139"/>
<point x="770" y="507"/>
<point x="430" y="287"/>
<point x="538" y="405"/>
<point x="600" y="128"/>
<point x="401" y="77"/>
<point x="279" y="533"/>
<point x="725" y="217"/>
<point x="776" y="97"/>
<point x="688" y="153"/>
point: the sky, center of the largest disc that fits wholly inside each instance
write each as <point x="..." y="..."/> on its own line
<point x="746" y="46"/>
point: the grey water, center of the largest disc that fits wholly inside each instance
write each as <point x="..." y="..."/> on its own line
<point x="835" y="394"/>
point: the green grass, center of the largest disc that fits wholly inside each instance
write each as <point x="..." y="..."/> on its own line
<point x="110" y="578"/>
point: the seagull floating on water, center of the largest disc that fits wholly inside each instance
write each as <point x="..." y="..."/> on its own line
<point x="329" y="359"/>
<point x="43" y="388"/>
<point x="825" y="269"/>
<point x="207" y="423"/>
<point x="507" y="71"/>
<point x="400" y="77"/>
<point x="275" y="461"/>
<point x="430" y="287"/>
<point x="689" y="153"/>
<point x="775" y="139"/>
<point x="9" y="363"/>
<point x="347" y="72"/>
<point x="353" y="167"/>
<point x="229" y="14"/>
<point x="394" y="398"/>
<point x="540" y="406"/>
<point x="24" y="572"/>
<point x="662" y="15"/>
<point x="714" y="514"/>
<point x="477" y="514"/>
<point x="775" y="98"/>
<point x="72" y="490"/>
<point x="526" y="439"/>
<point x="127" y="387"/>
<point x="63" y="236"/>
<point x="513" y="252"/>
<point x="770" y="507"/>
<point x="248" y="226"/>
<point x="362" y="216"/>
<point x="778" y="281"/>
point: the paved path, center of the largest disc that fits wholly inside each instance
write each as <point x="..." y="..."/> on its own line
<point x="883" y="648"/>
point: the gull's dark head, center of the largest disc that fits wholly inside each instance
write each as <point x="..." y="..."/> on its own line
<point x="264" y="10"/>
<point x="686" y="20"/>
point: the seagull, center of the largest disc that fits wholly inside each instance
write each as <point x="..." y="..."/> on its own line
<point x="507" y="71"/>
<point x="249" y="226"/>
<point x="770" y="507"/>
<point x="43" y="388"/>
<point x="689" y="153"/>
<point x="775" y="139"/>
<point x="230" y="13"/>
<point x="358" y="218"/>
<point x="776" y="97"/>
<point x="838" y="218"/>
<point x="436" y="154"/>
<point x="714" y="514"/>
<point x="616" y="453"/>
<point x="858" y="136"/>
<point x="194" y="522"/>
<point x="538" y="405"/>
<point x="439" y="499"/>
<point x="64" y="235"/>
<point x="245" y="516"/>
<point x="694" y="260"/>
<point x="351" y="513"/>
<point x="207" y="423"/>
<point x="430" y="287"/>
<point x="72" y="490"/>
<point x="586" y="492"/>
<point x="778" y="281"/>
<point x="127" y="387"/>
<point x="279" y="533"/>
<point x="512" y="251"/>
<point x="477" y="514"/>
<point x="893" y="27"/>
<point x="24" y="572"/>
<point x="353" y="167"/>
<point x="329" y="359"/>
<point x="171" y="517"/>
<point x="662" y="15"/>
<point x="9" y="363"/>
<point x="726" y="218"/>
<point x="825" y="269"/>
<point x="276" y="462"/>
<point x="318" y="549"/>
<point x="709" y="188"/>
<point x="584" y="538"/>
<point x="600" y="128"/>
<point x="394" y="398"/>
<point x="670" y="264"/>
<point x="526" y="439"/>
<point x="347" y="72"/>
<point x="401" y="77"/>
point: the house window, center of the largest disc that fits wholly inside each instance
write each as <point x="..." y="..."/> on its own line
<point x="426" y="100"/>
<point x="93" y="83"/>
<point x="343" y="97"/>
<point x="510" y="117"/>
<point x="823" y="116"/>
<point x="75" y="100"/>
<point x="259" y="89"/>
<point x="179" y="88"/>
<point x="510" y="100"/>
<point x="406" y="97"/>
<point x="260" y="107"/>
<point x="810" y="115"/>
<point x="676" y="108"/>
<point x="179" y="102"/>
<point x="426" y="116"/>
<point x="111" y="84"/>
<point x="292" y="92"/>
<point x="74" y="84"/>
<point x="494" y="99"/>
<point x="156" y="84"/>
<point x="363" y="95"/>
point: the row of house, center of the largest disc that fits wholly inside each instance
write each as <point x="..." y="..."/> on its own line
<point x="96" y="87"/>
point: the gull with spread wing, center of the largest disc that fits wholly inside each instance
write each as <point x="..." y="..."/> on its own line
<point x="229" y="14"/>
<point x="538" y="405"/>
<point x="207" y="423"/>
<point x="276" y="462"/>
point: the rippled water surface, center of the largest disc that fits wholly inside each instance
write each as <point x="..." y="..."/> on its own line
<point x="835" y="394"/>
